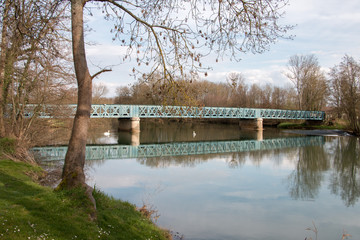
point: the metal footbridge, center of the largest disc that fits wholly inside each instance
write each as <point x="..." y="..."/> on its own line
<point x="159" y="111"/>
<point x="177" y="149"/>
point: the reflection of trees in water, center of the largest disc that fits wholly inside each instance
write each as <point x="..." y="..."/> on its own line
<point x="233" y="160"/>
<point x="236" y="160"/>
<point x="345" y="179"/>
<point x="183" y="161"/>
<point x="170" y="131"/>
<point x="305" y="181"/>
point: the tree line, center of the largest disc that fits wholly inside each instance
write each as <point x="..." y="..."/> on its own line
<point x="235" y="92"/>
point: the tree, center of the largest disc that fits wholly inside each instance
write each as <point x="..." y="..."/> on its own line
<point x="167" y="35"/>
<point x="278" y="98"/>
<point x="99" y="92"/>
<point x="33" y="65"/>
<point x="309" y="82"/>
<point x="345" y="89"/>
<point x="236" y="82"/>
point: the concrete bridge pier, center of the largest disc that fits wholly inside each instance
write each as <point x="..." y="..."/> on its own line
<point x="254" y="124"/>
<point x="129" y="124"/>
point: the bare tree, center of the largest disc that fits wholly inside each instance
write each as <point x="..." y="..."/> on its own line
<point x="32" y="66"/>
<point x="309" y="81"/>
<point x="169" y="35"/>
<point x="236" y="82"/>
<point x="99" y="92"/>
<point x="345" y="88"/>
<point x="278" y="98"/>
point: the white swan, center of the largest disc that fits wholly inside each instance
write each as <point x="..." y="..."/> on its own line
<point x="194" y="134"/>
<point x="107" y="133"/>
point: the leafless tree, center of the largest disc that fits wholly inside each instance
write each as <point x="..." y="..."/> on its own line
<point x="345" y="89"/>
<point x="99" y="92"/>
<point x="309" y="81"/>
<point x="33" y="64"/>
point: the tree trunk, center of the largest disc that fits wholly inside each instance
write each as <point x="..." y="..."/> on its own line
<point x="73" y="172"/>
<point x="4" y="43"/>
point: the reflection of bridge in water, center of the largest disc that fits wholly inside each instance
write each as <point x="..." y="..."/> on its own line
<point x="99" y="152"/>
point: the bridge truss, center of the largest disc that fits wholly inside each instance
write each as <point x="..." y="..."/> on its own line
<point x="158" y="111"/>
<point x="177" y="149"/>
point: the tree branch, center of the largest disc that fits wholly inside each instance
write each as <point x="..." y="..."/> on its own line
<point x="100" y="72"/>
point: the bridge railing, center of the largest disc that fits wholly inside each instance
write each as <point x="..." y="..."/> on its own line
<point x="158" y="111"/>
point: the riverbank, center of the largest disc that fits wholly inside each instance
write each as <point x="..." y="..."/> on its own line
<point x="305" y="126"/>
<point x="29" y="210"/>
<point x="316" y="130"/>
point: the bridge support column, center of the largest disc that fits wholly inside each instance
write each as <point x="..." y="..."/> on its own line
<point x="255" y="124"/>
<point x="129" y="124"/>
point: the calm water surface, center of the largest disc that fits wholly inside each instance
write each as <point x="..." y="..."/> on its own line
<point x="270" y="194"/>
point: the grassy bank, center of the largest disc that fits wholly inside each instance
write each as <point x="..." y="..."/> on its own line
<point x="31" y="211"/>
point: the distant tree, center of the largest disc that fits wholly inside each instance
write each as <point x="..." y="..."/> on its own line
<point x="309" y="82"/>
<point x="266" y="95"/>
<point x="99" y="92"/>
<point x="278" y="98"/>
<point x="254" y="96"/>
<point x="167" y="35"/>
<point x="345" y="89"/>
<point x="236" y="81"/>
<point x="123" y="95"/>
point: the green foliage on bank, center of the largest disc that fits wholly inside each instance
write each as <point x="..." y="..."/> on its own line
<point x="31" y="211"/>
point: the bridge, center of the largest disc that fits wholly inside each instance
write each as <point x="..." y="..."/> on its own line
<point x="177" y="149"/>
<point x="130" y="114"/>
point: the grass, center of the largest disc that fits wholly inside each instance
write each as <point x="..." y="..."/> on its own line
<point x="31" y="211"/>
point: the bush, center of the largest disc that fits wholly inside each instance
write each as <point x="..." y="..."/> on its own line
<point x="7" y="146"/>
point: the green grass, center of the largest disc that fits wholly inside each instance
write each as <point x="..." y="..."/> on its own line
<point x="31" y="211"/>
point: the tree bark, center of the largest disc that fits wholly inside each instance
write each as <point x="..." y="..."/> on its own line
<point x="4" y="43"/>
<point x="73" y="175"/>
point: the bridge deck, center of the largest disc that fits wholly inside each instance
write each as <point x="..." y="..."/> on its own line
<point x="157" y="111"/>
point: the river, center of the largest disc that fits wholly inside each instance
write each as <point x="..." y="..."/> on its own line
<point x="286" y="183"/>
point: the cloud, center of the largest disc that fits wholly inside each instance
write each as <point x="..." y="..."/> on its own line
<point x="261" y="76"/>
<point x="106" y="50"/>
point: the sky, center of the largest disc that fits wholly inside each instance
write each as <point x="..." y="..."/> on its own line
<point x="329" y="29"/>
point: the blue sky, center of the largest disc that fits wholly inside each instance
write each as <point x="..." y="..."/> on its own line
<point x="327" y="28"/>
